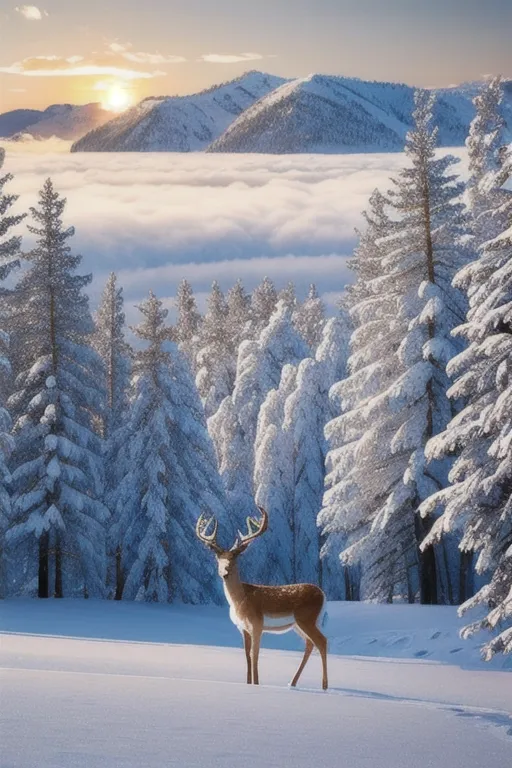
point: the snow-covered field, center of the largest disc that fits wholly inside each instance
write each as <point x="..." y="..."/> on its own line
<point x="156" y="218"/>
<point x="90" y="684"/>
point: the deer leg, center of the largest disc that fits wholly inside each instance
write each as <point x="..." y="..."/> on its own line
<point x="307" y="654"/>
<point x="320" y="640"/>
<point x="255" y="651"/>
<point x="247" y="646"/>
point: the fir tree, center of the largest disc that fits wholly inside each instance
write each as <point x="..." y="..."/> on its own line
<point x="234" y="426"/>
<point x="290" y="460"/>
<point x="395" y="399"/>
<point x="263" y="305"/>
<point x="109" y="342"/>
<point x="288" y="296"/>
<point x="309" y="318"/>
<point x="57" y="463"/>
<point x="486" y="145"/>
<point x="214" y="374"/>
<point x="9" y="259"/>
<point x="171" y="475"/>
<point x="237" y="324"/>
<point x="479" y="500"/>
<point x="188" y="324"/>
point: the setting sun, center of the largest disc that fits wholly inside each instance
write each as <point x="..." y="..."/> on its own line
<point x="117" y="98"/>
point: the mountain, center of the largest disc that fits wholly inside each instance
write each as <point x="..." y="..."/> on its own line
<point x="179" y="123"/>
<point x="17" y="120"/>
<point x="337" y="114"/>
<point x="65" y="121"/>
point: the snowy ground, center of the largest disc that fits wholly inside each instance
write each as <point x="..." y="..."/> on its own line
<point x="88" y="684"/>
<point x="156" y="218"/>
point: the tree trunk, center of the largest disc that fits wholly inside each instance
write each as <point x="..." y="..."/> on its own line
<point x="119" y="576"/>
<point x="58" y="569"/>
<point x="465" y="576"/>
<point x="44" y="556"/>
<point x="427" y="561"/>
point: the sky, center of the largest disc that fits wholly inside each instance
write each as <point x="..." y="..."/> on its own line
<point x="119" y="51"/>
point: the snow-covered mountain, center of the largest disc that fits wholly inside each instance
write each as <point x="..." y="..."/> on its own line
<point x="337" y="114"/>
<point x="179" y="123"/>
<point x="65" y="121"/>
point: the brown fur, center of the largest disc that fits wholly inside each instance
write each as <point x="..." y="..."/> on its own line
<point x="251" y="603"/>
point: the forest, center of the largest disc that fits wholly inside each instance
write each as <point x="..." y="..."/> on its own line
<point x="379" y="440"/>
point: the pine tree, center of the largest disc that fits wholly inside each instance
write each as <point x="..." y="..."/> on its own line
<point x="237" y="324"/>
<point x="214" y="374"/>
<point x="290" y="460"/>
<point x="10" y="246"/>
<point x="479" y="500"/>
<point x="234" y="426"/>
<point x="395" y="399"/>
<point x="109" y="342"/>
<point x="309" y="318"/>
<point x="486" y="145"/>
<point x="188" y="324"/>
<point x="263" y="305"/>
<point x="360" y="468"/>
<point x="288" y="296"/>
<point x="171" y="474"/>
<point x="57" y="463"/>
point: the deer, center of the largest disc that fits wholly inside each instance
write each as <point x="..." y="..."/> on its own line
<point x="256" y="608"/>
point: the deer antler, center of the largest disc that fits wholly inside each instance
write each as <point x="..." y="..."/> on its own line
<point x="254" y="529"/>
<point x="210" y="539"/>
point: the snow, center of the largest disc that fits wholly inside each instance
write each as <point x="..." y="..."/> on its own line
<point x="179" y="123"/>
<point x="121" y="685"/>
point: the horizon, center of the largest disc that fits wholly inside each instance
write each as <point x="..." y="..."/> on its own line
<point x="50" y="55"/>
<point x="248" y="72"/>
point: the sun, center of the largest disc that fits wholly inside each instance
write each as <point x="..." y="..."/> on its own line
<point x="117" y="98"/>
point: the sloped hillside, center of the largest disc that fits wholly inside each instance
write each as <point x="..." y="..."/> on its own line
<point x="65" y="121"/>
<point x="335" y="114"/>
<point x="179" y="123"/>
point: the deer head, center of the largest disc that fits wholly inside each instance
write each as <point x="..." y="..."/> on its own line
<point x="226" y="558"/>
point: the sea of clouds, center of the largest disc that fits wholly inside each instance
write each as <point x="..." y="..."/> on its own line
<point x="156" y="218"/>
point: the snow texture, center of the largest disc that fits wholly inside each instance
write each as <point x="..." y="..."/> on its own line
<point x="128" y="685"/>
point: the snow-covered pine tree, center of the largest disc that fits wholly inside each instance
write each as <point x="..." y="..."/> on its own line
<point x="274" y="481"/>
<point x="172" y="475"/>
<point x="213" y="363"/>
<point x="10" y="246"/>
<point x="109" y="342"/>
<point x="479" y="501"/>
<point x="288" y="295"/>
<point x="393" y="405"/>
<point x="263" y="305"/>
<point x="188" y="323"/>
<point x="360" y="468"/>
<point x="309" y="318"/>
<point x="487" y="150"/>
<point x="57" y="461"/>
<point x="290" y="459"/>
<point x="233" y="427"/>
<point x="366" y="261"/>
<point x="237" y="323"/>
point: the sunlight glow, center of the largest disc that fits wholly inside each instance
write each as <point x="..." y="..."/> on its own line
<point x="117" y="98"/>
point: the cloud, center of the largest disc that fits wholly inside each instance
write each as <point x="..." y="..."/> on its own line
<point x="161" y="217"/>
<point x="140" y="57"/>
<point x="230" y="58"/>
<point x="17" y="90"/>
<point x="73" y="66"/>
<point x="31" y="12"/>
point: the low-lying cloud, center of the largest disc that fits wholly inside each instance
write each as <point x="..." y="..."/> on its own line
<point x="230" y="58"/>
<point x="157" y="218"/>
<point x="75" y="66"/>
